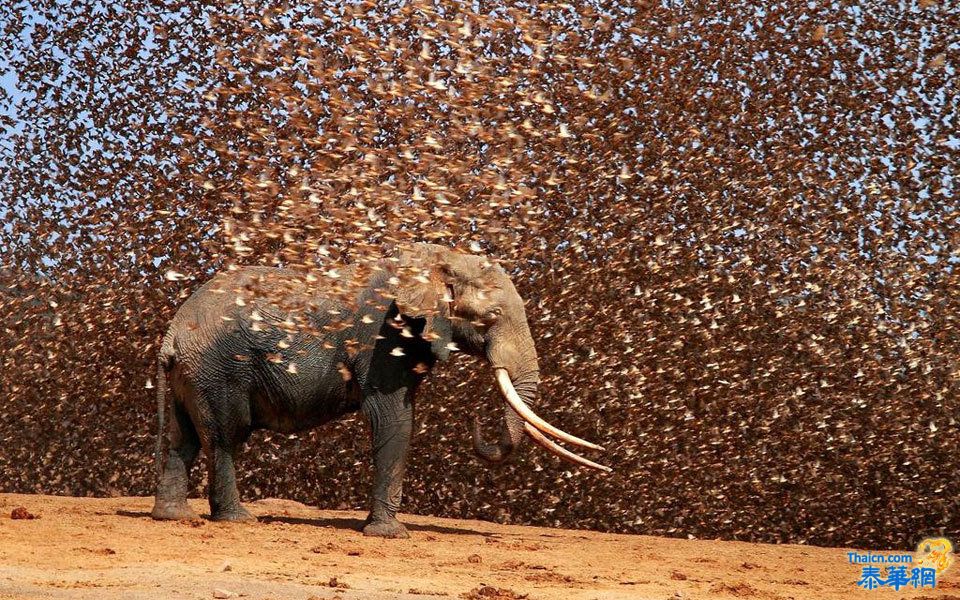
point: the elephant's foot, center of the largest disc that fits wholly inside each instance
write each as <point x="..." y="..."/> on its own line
<point x="172" y="511"/>
<point x="389" y="528"/>
<point x="237" y="515"/>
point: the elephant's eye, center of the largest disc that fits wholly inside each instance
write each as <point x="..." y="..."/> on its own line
<point x="492" y="314"/>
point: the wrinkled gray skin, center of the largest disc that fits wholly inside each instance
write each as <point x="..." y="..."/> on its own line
<point x="227" y="364"/>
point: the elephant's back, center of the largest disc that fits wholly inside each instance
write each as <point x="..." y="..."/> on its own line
<point x="222" y="305"/>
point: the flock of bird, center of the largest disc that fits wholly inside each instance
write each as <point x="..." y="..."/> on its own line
<point x="734" y="224"/>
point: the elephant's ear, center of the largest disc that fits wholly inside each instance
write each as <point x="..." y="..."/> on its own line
<point x="422" y="290"/>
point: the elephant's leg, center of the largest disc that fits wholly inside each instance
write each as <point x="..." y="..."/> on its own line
<point x="391" y="423"/>
<point x="231" y="427"/>
<point x="224" y="497"/>
<point x="171" y="501"/>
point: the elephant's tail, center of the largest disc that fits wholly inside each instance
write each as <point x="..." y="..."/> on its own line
<point x="164" y="362"/>
<point x="161" y="410"/>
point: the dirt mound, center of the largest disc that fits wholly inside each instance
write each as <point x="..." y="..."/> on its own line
<point x="96" y="548"/>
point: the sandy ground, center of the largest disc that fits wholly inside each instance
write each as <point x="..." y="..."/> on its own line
<point x="110" y="548"/>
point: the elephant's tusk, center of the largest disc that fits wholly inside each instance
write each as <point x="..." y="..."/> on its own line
<point x="517" y="403"/>
<point x="561" y="451"/>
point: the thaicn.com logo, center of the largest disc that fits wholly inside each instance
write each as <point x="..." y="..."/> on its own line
<point x="896" y="571"/>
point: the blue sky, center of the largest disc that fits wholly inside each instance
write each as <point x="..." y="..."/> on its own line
<point x="920" y="120"/>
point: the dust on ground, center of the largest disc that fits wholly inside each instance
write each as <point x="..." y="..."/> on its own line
<point x="110" y="548"/>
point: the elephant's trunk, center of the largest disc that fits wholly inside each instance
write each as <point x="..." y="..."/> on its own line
<point x="514" y="362"/>
<point x="512" y="355"/>
<point x="511" y="432"/>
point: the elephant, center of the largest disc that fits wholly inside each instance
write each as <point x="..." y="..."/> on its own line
<point x="285" y="350"/>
